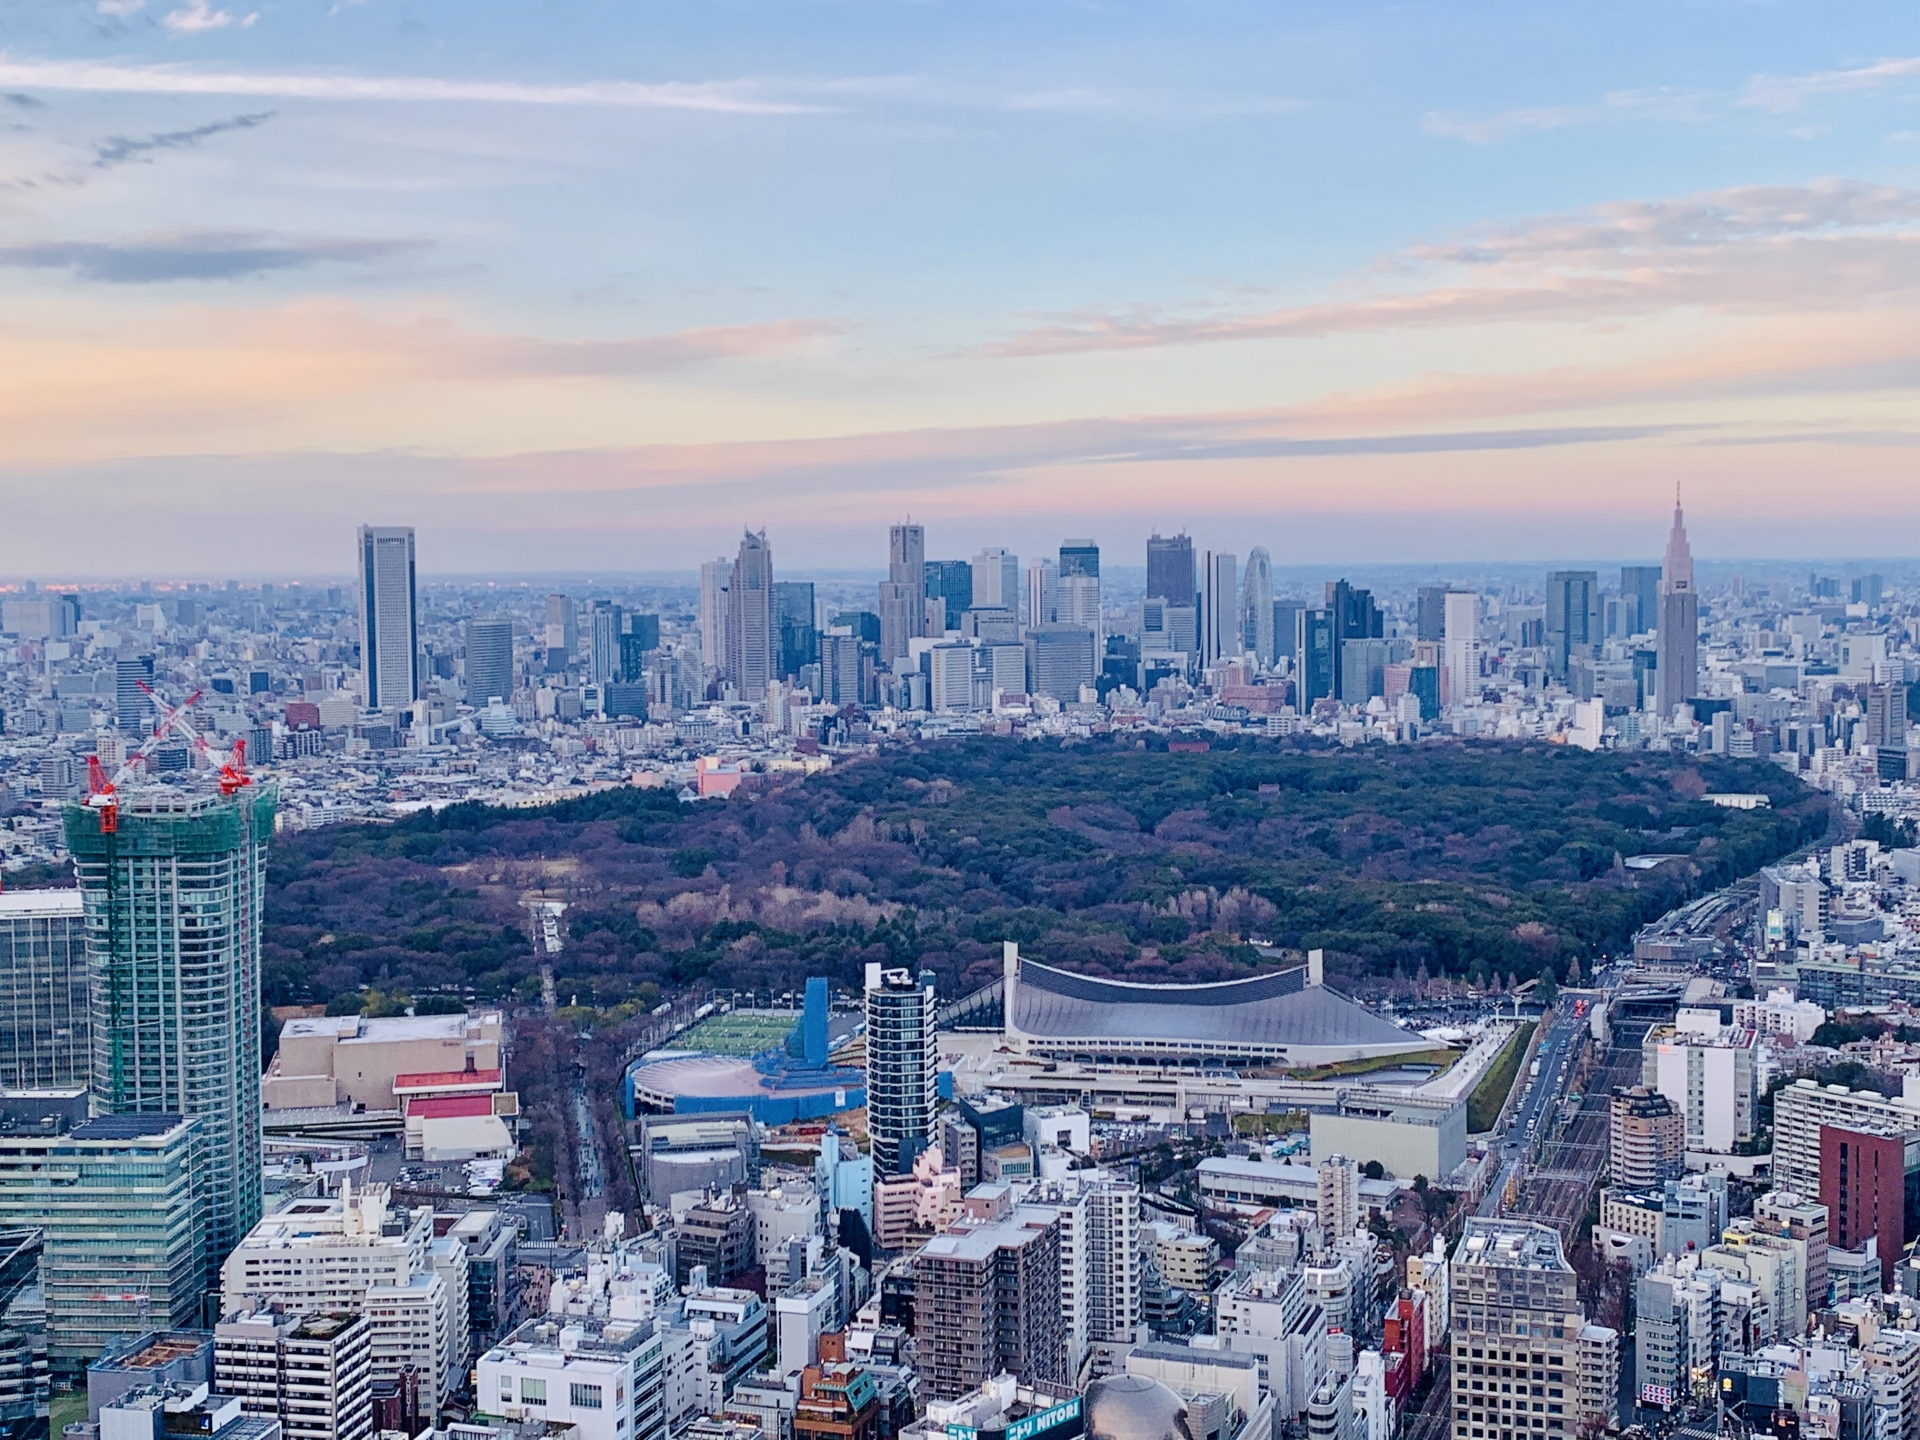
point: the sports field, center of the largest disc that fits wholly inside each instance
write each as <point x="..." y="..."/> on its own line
<point x="737" y="1034"/>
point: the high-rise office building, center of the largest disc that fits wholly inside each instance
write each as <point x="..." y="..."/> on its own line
<point x="1060" y="660"/>
<point x="173" y="899"/>
<point x="490" y="659"/>
<point x="1863" y="1185"/>
<point x="1256" y="607"/>
<point x="45" y="1028"/>
<point x="1077" y="590"/>
<point x="1640" y="596"/>
<point x="133" y="707"/>
<point x="1355" y="617"/>
<point x="751" y="635"/>
<point x="1314" y="657"/>
<point x="842" y="681"/>
<point x="605" y="624"/>
<point x="902" y="1067"/>
<point x="638" y="639"/>
<point x="951" y="582"/>
<point x="796" y="637"/>
<point x="1677" y="672"/>
<point x="119" y="1201"/>
<point x="563" y="625"/>
<point x="903" y="608"/>
<point x="1220" y="607"/>
<point x="313" y="1372"/>
<point x="1040" y="601"/>
<point x="1170" y="572"/>
<point x="996" y="579"/>
<point x="1462" y="670"/>
<point x="714" y="575"/>
<point x="1517" y="1317"/>
<point x="1430" y="613"/>
<point x="389" y="617"/>
<point x="1573" y="618"/>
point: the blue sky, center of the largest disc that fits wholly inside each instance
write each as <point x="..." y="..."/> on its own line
<point x="569" y="286"/>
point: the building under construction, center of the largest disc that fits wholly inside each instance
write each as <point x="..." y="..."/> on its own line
<point x="172" y="882"/>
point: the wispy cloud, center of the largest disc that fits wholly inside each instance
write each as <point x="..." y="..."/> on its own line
<point x="125" y="149"/>
<point x="196" y="17"/>
<point x="1782" y="93"/>
<point x="120" y="9"/>
<point x="21" y="101"/>
<point x="1621" y="107"/>
<point x="1755" y="249"/>
<point x="721" y="97"/>
<point x="195" y="255"/>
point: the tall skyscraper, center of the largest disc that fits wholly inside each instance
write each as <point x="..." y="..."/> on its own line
<point x="1355" y="617"/>
<point x="389" y="617"/>
<point x="1220" y="608"/>
<point x="1170" y="573"/>
<point x="797" y="638"/>
<point x="1430" y="613"/>
<point x="1640" y="592"/>
<point x="996" y="579"/>
<point x="1060" y="660"/>
<point x="1573" y="618"/>
<point x="951" y="582"/>
<point x="133" y="709"/>
<point x="1077" y="590"/>
<point x="714" y="575"/>
<point x="45" y="1030"/>
<point x="903" y="609"/>
<point x="750" y="629"/>
<point x="563" y="625"/>
<point x="173" y="899"/>
<point x="1462" y="672"/>
<point x="1315" y="657"/>
<point x="1040" y="604"/>
<point x="490" y="660"/>
<point x="903" y="1056"/>
<point x="1677" y="674"/>
<point x="1256" y="606"/>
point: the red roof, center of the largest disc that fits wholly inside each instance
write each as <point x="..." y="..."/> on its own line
<point x="449" y="1107"/>
<point x="445" y="1079"/>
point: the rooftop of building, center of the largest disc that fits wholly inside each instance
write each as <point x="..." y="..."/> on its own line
<point x="1196" y="1355"/>
<point x="590" y="1339"/>
<point x="349" y="1029"/>
<point x="18" y="904"/>
<point x="1511" y="1243"/>
<point x="979" y="1240"/>
<point x="445" y="1079"/>
<point x="153" y="1351"/>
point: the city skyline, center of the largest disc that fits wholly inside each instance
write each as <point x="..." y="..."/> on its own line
<point x="1407" y="285"/>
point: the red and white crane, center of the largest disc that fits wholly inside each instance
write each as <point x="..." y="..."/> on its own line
<point x="103" y="791"/>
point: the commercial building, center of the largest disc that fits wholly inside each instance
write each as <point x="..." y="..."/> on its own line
<point x="490" y="659"/>
<point x="1646" y="1139"/>
<point x="1517" y="1318"/>
<point x="354" y="1060"/>
<point x="124" y="1227"/>
<point x="1802" y="1108"/>
<point x="163" y="1412"/>
<point x="491" y="1247"/>
<point x="389" y="618"/>
<point x="1677" y="675"/>
<point x="1781" y="1212"/>
<point x="45" y="1029"/>
<point x="1864" y="1190"/>
<point x="1060" y="659"/>
<point x="173" y="898"/>
<point x="353" y="1253"/>
<point x="1573" y="619"/>
<point x="752" y="636"/>
<point x="1230" y="1182"/>
<point x="313" y="1373"/>
<point x="902" y="606"/>
<point x="605" y="1377"/>
<point x="902" y="1067"/>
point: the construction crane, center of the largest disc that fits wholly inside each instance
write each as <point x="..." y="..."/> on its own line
<point x="103" y="795"/>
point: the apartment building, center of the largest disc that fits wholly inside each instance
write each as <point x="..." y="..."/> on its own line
<point x="313" y="1373"/>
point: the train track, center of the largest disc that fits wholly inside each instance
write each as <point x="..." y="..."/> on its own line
<point x="1560" y="1186"/>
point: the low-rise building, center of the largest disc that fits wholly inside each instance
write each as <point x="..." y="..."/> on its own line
<point x="604" y="1377"/>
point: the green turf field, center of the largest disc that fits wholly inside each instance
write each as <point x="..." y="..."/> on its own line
<point x="737" y="1034"/>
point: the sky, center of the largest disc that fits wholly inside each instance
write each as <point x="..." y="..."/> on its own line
<point x="589" y="286"/>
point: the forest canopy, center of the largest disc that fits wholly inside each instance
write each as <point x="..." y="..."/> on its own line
<point x="1465" y="860"/>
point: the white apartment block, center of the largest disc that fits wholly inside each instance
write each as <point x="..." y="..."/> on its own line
<point x="606" y="1377"/>
<point x="313" y="1373"/>
<point x="1710" y="1079"/>
<point x="336" y="1255"/>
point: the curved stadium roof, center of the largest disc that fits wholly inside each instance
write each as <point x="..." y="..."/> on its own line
<point x="1272" y="1010"/>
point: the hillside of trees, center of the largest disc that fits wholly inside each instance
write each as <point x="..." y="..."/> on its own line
<point x="1463" y="860"/>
